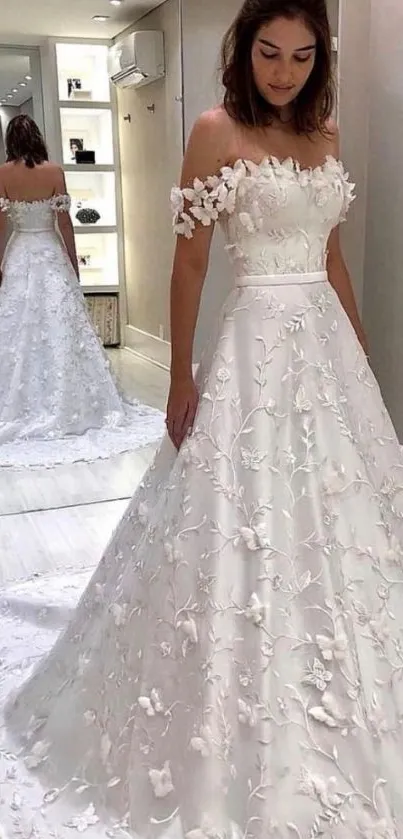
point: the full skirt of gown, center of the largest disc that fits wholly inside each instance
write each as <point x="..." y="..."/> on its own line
<point x="59" y="401"/>
<point x="235" y="666"/>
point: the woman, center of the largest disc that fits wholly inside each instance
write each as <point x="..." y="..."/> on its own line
<point x="58" y="400"/>
<point x="234" y="667"/>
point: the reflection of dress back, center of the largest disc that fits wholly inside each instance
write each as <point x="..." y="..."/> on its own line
<point x="58" y="400"/>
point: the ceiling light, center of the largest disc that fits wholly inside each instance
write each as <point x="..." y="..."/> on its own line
<point x="9" y="95"/>
<point x="28" y="78"/>
<point x="116" y="2"/>
<point x="100" y="18"/>
<point x="15" y="89"/>
<point x="23" y="84"/>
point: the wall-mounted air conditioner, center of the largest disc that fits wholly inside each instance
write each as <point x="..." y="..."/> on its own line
<point x="138" y="59"/>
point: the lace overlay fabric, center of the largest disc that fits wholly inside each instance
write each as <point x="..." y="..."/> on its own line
<point x="58" y="399"/>
<point x="234" y="666"/>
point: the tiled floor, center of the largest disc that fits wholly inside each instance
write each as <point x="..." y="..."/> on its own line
<point x="51" y="519"/>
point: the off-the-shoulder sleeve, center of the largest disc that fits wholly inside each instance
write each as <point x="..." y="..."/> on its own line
<point x="205" y="200"/>
<point x="61" y="203"/>
<point x="349" y="196"/>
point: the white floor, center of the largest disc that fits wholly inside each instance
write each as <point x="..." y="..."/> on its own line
<point x="64" y="517"/>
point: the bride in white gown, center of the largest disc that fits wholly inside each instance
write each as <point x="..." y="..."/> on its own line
<point x="234" y="668"/>
<point x="58" y="400"/>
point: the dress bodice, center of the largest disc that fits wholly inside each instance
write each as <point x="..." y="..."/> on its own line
<point x="276" y="217"/>
<point x="34" y="216"/>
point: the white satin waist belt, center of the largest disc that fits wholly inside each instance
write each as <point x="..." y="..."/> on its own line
<point x="281" y="279"/>
<point x="34" y="230"/>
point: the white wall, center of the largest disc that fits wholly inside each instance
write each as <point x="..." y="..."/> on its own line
<point x="7" y="113"/>
<point x="151" y="151"/>
<point x="51" y="121"/>
<point x="383" y="288"/>
<point x="28" y="108"/>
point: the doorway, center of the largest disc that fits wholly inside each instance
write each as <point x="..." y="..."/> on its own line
<point x="20" y="87"/>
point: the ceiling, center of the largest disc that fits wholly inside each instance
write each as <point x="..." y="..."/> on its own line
<point x="31" y="21"/>
<point x="13" y="70"/>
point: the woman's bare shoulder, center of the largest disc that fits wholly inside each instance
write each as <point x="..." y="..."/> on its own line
<point x="211" y="141"/>
<point x="332" y="137"/>
<point x="214" y="123"/>
<point x="51" y="166"/>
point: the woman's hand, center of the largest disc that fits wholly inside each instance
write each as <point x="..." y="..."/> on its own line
<point x="181" y="410"/>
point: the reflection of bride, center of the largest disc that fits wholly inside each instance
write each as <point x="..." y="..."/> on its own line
<point x="234" y="668"/>
<point x="58" y="400"/>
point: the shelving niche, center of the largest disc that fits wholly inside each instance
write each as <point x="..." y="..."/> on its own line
<point x="86" y="125"/>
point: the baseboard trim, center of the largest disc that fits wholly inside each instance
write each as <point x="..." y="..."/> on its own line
<point x="147" y="346"/>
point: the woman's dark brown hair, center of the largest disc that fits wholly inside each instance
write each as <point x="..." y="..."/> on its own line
<point x="24" y="141"/>
<point x="242" y="100"/>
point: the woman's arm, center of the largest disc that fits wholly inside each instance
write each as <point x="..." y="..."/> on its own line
<point x="341" y="282"/>
<point x="65" y="224"/>
<point x="4" y="227"/>
<point x="338" y="274"/>
<point x="3" y="239"/>
<point x="204" y="157"/>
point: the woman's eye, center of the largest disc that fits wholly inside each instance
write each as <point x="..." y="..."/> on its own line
<point x="302" y="60"/>
<point x="266" y="55"/>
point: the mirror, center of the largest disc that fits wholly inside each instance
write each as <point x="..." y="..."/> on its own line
<point x="83" y="113"/>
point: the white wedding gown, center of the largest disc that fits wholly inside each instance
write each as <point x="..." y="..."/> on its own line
<point x="235" y="666"/>
<point x="58" y="400"/>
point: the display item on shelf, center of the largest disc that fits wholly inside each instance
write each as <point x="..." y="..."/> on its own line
<point x="85" y="156"/>
<point x="87" y="216"/>
<point x="73" y="85"/>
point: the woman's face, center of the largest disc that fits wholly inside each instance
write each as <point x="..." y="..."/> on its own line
<point x="283" y="56"/>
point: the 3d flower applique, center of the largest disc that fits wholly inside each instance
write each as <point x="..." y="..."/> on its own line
<point x="171" y="554"/>
<point x="202" y="743"/>
<point x="394" y="553"/>
<point x="38" y="754"/>
<point x="161" y="780"/>
<point x="143" y="513"/>
<point x="335" y="481"/>
<point x="330" y="713"/>
<point x="60" y="203"/>
<point x="255" y="611"/>
<point x="247" y="714"/>
<point x="205" y="200"/>
<point x="119" y="613"/>
<point x="333" y="647"/>
<point x="205" y="831"/>
<point x="152" y="704"/>
<point x="255" y="538"/>
<point x="189" y="629"/>
<point x="318" y="787"/>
